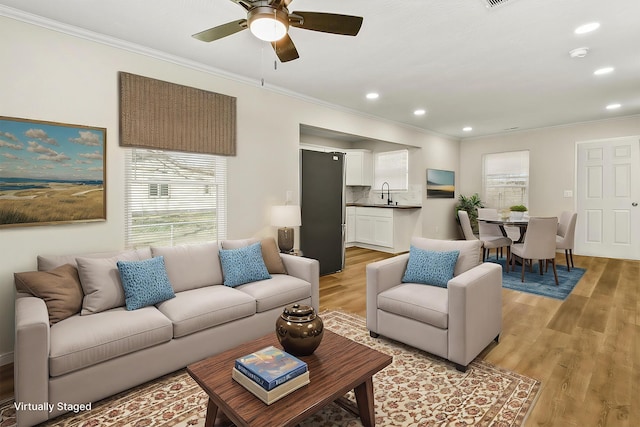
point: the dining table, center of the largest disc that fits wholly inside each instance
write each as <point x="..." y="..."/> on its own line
<point x="502" y="223"/>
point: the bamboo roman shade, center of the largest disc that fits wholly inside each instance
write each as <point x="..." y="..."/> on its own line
<point x="166" y="116"/>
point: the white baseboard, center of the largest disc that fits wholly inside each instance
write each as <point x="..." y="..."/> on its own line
<point x="6" y="359"/>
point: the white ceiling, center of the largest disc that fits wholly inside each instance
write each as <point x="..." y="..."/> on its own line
<point x="468" y="65"/>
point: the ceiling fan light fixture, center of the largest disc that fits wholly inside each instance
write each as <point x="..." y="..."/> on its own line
<point x="268" y="24"/>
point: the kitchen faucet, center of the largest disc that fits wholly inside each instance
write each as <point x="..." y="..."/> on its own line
<point x="389" y="201"/>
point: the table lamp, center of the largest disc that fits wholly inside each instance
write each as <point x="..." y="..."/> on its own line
<point x="285" y="217"/>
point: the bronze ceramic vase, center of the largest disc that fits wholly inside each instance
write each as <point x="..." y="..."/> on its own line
<point x="299" y="329"/>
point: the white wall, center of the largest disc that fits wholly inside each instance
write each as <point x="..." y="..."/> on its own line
<point x="551" y="159"/>
<point x="48" y="75"/>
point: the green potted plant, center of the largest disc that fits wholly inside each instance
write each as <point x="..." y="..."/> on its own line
<point x="470" y="205"/>
<point x="517" y="212"/>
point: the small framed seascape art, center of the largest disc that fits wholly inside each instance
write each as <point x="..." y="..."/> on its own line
<point x="51" y="173"/>
<point x="440" y="184"/>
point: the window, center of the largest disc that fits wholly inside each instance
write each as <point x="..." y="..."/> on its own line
<point x="158" y="190"/>
<point x="174" y="198"/>
<point x="506" y="179"/>
<point x="392" y="167"/>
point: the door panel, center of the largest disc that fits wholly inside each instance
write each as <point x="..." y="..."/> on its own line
<point x="608" y="193"/>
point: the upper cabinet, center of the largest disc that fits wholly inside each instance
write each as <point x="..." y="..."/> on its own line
<point x="359" y="167"/>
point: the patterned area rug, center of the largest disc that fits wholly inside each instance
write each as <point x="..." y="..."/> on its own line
<point x="544" y="285"/>
<point x="417" y="389"/>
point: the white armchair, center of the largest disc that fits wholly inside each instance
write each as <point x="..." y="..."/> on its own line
<point x="456" y="322"/>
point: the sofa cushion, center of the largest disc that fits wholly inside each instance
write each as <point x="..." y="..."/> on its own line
<point x="145" y="282"/>
<point x="278" y="291"/>
<point x="243" y="265"/>
<point x="470" y="251"/>
<point x="101" y="281"/>
<point x="191" y="266"/>
<point x="430" y="267"/>
<point x="425" y="304"/>
<point x="197" y="309"/>
<point x="82" y="341"/>
<point x="50" y="262"/>
<point x="59" y="288"/>
<point x="271" y="256"/>
<point x="238" y="243"/>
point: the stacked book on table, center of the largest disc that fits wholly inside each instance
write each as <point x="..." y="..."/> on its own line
<point x="270" y="373"/>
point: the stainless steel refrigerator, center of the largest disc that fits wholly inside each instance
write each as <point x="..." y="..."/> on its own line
<point x="323" y="208"/>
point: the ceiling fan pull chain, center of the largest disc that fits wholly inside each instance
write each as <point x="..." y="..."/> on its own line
<point x="262" y="65"/>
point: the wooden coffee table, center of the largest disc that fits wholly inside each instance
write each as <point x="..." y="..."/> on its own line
<point x="337" y="366"/>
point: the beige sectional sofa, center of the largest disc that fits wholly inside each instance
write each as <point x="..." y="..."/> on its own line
<point x="105" y="348"/>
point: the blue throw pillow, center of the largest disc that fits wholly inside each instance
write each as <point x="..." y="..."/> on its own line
<point x="145" y="282"/>
<point x="430" y="267"/>
<point x="243" y="265"/>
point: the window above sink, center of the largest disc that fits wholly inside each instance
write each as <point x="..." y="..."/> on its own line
<point x="391" y="167"/>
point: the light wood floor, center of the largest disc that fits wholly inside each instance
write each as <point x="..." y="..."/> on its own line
<point x="585" y="350"/>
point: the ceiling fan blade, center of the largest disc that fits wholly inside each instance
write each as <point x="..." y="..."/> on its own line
<point x="346" y="25"/>
<point x="285" y="49"/>
<point x="221" y="31"/>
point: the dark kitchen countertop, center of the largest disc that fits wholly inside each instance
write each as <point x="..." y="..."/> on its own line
<point x="394" y="206"/>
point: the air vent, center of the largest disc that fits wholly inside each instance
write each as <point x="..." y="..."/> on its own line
<point x="494" y="3"/>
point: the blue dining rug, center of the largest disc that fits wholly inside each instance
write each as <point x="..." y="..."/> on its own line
<point x="544" y="285"/>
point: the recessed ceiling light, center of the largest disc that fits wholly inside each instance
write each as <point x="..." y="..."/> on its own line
<point x="467" y="129"/>
<point x="604" y="70"/>
<point x="613" y="106"/>
<point x="587" y="28"/>
<point x="373" y="95"/>
<point x="420" y="112"/>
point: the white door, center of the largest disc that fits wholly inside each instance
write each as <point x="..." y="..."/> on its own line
<point x="608" y="187"/>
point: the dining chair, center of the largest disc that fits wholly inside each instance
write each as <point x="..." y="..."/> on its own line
<point x="566" y="235"/>
<point x="539" y="244"/>
<point x="465" y="223"/>
<point x="491" y="235"/>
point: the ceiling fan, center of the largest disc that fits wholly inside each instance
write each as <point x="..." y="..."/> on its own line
<point x="270" y="20"/>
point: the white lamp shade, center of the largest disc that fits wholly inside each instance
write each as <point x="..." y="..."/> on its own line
<point x="285" y="216"/>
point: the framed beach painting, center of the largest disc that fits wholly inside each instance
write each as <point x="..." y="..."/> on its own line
<point x="51" y="173"/>
<point x="440" y="184"/>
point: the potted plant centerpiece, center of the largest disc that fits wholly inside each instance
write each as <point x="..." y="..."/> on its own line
<point x="517" y="212"/>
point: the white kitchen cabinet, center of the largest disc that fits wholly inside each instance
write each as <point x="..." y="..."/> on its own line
<point x="374" y="226"/>
<point x="384" y="229"/>
<point x="351" y="225"/>
<point x="359" y="167"/>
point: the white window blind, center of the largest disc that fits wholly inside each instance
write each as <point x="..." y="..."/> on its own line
<point x="174" y="198"/>
<point x="392" y="167"/>
<point x="506" y="179"/>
